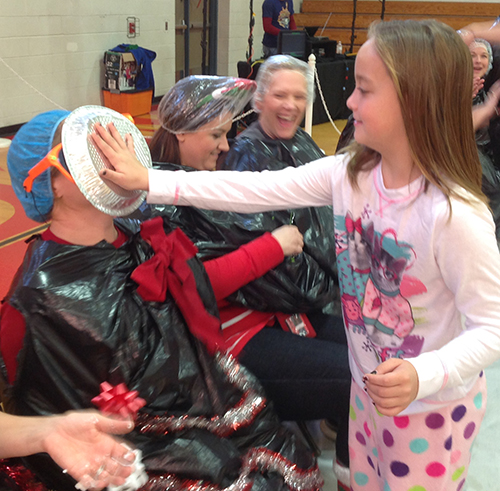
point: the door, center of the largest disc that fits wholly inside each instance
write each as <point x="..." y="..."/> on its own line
<point x="195" y="38"/>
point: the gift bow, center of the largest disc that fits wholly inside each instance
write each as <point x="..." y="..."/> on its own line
<point x="118" y="400"/>
<point x="168" y="270"/>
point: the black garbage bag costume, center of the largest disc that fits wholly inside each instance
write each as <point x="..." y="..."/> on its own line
<point x="299" y="284"/>
<point x="206" y="421"/>
<point x="314" y="273"/>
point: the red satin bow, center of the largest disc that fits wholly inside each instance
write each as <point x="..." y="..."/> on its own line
<point x="352" y="225"/>
<point x="168" y="270"/>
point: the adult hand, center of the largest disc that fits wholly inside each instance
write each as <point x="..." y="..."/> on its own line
<point x="489" y="30"/>
<point x="467" y="35"/>
<point x="482" y="113"/>
<point x="393" y="387"/>
<point x="123" y="168"/>
<point x="81" y="443"/>
<point x="290" y="239"/>
<point x="493" y="98"/>
<point x="477" y="85"/>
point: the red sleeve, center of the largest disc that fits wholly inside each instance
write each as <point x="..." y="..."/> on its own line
<point x="268" y="26"/>
<point x="245" y="264"/>
<point x="293" y="26"/>
<point x="12" y="329"/>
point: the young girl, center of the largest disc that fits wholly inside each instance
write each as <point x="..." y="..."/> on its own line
<point x="409" y="215"/>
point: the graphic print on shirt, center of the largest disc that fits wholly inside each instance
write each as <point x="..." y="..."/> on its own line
<point x="284" y="17"/>
<point x="359" y="243"/>
<point x="372" y="268"/>
<point x="386" y="313"/>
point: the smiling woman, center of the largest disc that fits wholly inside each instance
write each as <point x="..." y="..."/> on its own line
<point x="195" y="116"/>
<point x="201" y="150"/>
<point x="482" y="57"/>
<point x="283" y="106"/>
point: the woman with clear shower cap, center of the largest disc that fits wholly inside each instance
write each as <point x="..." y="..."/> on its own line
<point x="195" y="107"/>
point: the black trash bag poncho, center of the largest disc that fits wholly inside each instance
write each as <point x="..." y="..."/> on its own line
<point x="205" y="418"/>
<point x="304" y="283"/>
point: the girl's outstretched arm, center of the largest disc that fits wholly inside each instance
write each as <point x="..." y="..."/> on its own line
<point x="392" y="386"/>
<point x="123" y="167"/>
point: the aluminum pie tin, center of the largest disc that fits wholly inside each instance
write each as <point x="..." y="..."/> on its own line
<point x="85" y="160"/>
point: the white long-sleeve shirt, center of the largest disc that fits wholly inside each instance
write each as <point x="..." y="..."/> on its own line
<point x="415" y="282"/>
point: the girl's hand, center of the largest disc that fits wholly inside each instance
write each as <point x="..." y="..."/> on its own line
<point x="290" y="239"/>
<point x="393" y="387"/>
<point x="80" y="443"/>
<point x="123" y="169"/>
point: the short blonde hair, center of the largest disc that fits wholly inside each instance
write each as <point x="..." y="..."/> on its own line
<point x="275" y="64"/>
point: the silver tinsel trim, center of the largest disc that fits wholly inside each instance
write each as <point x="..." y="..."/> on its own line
<point x="241" y="415"/>
<point x="257" y="459"/>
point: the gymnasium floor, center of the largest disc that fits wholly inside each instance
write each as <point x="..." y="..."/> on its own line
<point x="15" y="228"/>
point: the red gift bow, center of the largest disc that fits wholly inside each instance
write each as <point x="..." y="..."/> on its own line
<point x="118" y="400"/>
<point x="168" y="270"/>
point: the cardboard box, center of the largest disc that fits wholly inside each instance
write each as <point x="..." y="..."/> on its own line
<point x="120" y="71"/>
<point x="134" y="103"/>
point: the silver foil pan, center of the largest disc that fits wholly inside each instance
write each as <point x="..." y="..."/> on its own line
<point x="85" y="161"/>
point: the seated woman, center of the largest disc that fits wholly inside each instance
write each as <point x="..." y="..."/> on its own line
<point x="285" y="85"/>
<point x="306" y="375"/>
<point x="483" y="38"/>
<point x="482" y="59"/>
<point x="97" y="308"/>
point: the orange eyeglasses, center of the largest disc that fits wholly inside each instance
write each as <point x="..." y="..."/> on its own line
<point x="50" y="160"/>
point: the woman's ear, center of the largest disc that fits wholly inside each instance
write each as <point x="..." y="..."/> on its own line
<point x="55" y="184"/>
<point x="58" y="183"/>
<point x="180" y="137"/>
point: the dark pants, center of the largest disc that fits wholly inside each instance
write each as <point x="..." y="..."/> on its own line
<point x="305" y="378"/>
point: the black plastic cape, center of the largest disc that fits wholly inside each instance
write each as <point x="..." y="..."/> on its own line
<point x="86" y="324"/>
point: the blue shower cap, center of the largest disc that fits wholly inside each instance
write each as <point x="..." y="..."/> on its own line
<point x="30" y="145"/>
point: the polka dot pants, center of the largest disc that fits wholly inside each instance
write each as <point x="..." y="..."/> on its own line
<point x="420" y="452"/>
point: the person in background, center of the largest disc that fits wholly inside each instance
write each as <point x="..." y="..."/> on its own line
<point x="485" y="112"/>
<point x="79" y="442"/>
<point x="417" y="254"/>
<point x="100" y="312"/>
<point x="482" y="60"/>
<point x="304" y="370"/>
<point x="277" y="15"/>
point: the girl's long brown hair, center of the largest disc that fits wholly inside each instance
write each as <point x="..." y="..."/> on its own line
<point x="431" y="69"/>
